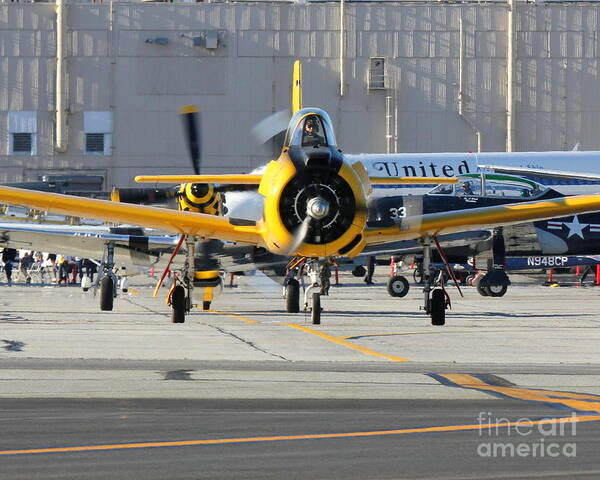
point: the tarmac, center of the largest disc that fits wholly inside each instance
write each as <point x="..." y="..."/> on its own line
<point x="507" y="389"/>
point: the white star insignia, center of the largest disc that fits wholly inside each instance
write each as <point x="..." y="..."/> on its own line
<point x="575" y="228"/>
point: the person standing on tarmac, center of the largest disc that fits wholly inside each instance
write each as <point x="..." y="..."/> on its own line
<point x="370" y="270"/>
<point x="25" y="264"/>
<point x="8" y="257"/>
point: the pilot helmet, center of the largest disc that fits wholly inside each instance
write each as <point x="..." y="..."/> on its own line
<point x="311" y="122"/>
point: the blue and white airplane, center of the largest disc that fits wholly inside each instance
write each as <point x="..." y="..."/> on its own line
<point x="570" y="173"/>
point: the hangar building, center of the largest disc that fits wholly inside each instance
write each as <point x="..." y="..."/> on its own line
<point x="95" y="87"/>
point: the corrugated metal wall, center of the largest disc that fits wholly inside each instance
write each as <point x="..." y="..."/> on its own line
<point x="112" y="67"/>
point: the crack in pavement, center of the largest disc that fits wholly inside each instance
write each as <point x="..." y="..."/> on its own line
<point x="247" y="342"/>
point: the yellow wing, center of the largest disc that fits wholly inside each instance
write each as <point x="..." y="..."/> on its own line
<point x="161" y="218"/>
<point x="485" y="217"/>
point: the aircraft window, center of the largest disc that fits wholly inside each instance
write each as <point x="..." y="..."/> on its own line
<point x="498" y="189"/>
<point x="312" y="132"/>
<point x="443" y="190"/>
<point x="467" y="188"/>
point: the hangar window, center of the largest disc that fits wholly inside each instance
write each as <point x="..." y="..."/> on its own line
<point x="22" y="130"/>
<point x="98" y="128"/>
<point x="377" y="73"/>
<point x="94" y="142"/>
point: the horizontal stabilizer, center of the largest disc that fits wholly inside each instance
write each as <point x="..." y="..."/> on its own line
<point x="239" y="179"/>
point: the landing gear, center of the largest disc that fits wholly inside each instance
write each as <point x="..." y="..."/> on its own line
<point x="397" y="286"/>
<point x="180" y="297"/>
<point x="495" y="282"/>
<point x="319" y="271"/>
<point x="418" y="275"/>
<point x="437" y="306"/>
<point x="106" y="293"/>
<point x="436" y="300"/>
<point x="292" y="296"/>
<point x="315" y="313"/>
<point x="496" y="290"/>
<point x="359" y="271"/>
<point x="481" y="290"/>
<point x="178" y="304"/>
<point x="107" y="280"/>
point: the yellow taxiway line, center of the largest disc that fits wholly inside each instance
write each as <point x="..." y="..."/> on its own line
<point x="571" y="400"/>
<point x="233" y="315"/>
<point x="339" y="341"/>
<point x="330" y="338"/>
<point x="283" y="438"/>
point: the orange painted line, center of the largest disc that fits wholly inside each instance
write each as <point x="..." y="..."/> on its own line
<point x="376" y="433"/>
<point x="339" y="341"/>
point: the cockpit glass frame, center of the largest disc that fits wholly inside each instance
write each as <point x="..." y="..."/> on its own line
<point x="443" y="189"/>
<point x="295" y="134"/>
<point x="313" y="133"/>
<point x="491" y="185"/>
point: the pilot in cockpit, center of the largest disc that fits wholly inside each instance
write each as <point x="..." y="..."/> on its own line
<point x="312" y="136"/>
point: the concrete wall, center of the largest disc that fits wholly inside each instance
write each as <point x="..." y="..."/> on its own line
<point x="112" y="67"/>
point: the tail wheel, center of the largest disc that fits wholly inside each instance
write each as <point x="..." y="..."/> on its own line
<point x="292" y="296"/>
<point x="106" y="293"/>
<point x="496" y="290"/>
<point x="438" y="307"/>
<point x="469" y="280"/>
<point x="397" y="286"/>
<point x="178" y="305"/>
<point x="316" y="309"/>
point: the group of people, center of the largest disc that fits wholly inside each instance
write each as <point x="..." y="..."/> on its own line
<point x="51" y="268"/>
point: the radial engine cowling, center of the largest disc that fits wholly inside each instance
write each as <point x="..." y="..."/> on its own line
<point x="324" y="200"/>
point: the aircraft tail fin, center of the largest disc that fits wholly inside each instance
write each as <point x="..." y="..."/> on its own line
<point x="297" y="87"/>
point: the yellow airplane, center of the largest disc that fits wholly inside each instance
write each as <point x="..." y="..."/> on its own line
<point x="315" y="207"/>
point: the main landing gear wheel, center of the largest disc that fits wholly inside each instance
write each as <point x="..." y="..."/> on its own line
<point x="178" y="305"/>
<point x="106" y="293"/>
<point x="438" y="307"/>
<point x="206" y="305"/>
<point x="292" y="296"/>
<point x="397" y="286"/>
<point x="483" y="291"/>
<point x="496" y="290"/>
<point x="316" y="309"/>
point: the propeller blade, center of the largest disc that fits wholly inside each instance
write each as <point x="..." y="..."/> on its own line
<point x="192" y="126"/>
<point x="298" y="236"/>
<point x="270" y="126"/>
